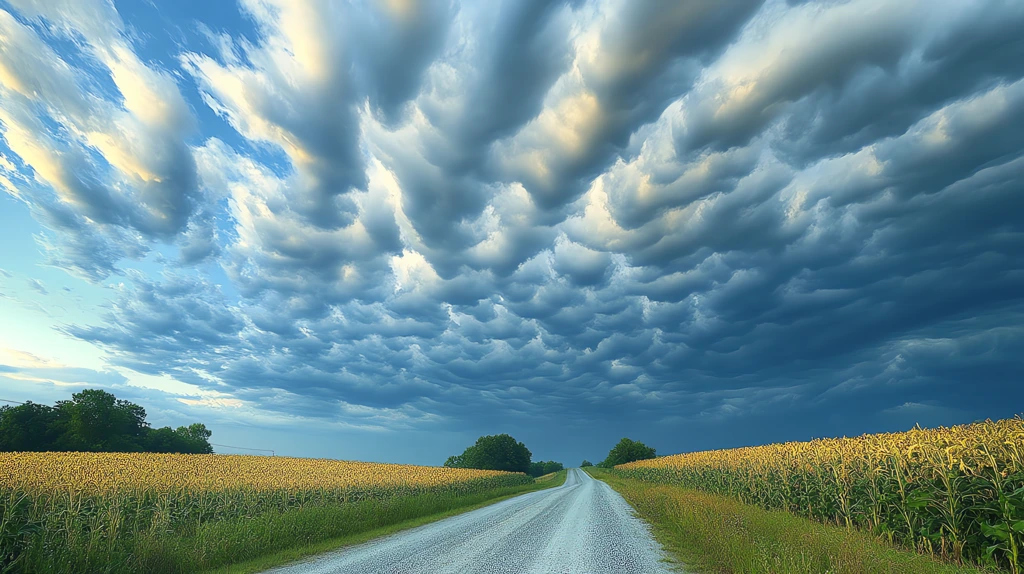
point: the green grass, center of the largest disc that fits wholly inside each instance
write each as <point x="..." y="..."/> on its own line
<point x="358" y="527"/>
<point x="713" y="533"/>
<point x="241" y="544"/>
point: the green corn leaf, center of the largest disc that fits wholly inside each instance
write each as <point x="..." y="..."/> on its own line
<point x="997" y="531"/>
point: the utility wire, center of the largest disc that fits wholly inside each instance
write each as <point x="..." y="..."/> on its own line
<point x="272" y="453"/>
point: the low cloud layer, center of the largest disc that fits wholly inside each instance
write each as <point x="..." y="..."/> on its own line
<point x="686" y="223"/>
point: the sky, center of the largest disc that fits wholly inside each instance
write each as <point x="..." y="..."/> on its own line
<point x="379" y="230"/>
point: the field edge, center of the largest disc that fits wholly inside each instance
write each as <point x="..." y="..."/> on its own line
<point x="300" y="553"/>
<point x="708" y="533"/>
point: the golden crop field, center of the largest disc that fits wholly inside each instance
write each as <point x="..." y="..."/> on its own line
<point x="88" y="509"/>
<point x="100" y="473"/>
<point x="957" y="492"/>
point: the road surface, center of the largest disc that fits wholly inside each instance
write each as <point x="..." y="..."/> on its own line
<point x="581" y="527"/>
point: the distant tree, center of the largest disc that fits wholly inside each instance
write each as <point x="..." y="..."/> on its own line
<point x="29" y="427"/>
<point x="94" y="420"/>
<point x="540" y="468"/>
<point x="197" y="436"/>
<point x="586" y="463"/>
<point x="494" y="452"/>
<point x="164" y="440"/>
<point x="627" y="451"/>
<point x="98" y="421"/>
<point x="193" y="439"/>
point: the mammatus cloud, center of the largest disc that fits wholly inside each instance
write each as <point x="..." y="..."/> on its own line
<point x="438" y="215"/>
<point x="104" y="154"/>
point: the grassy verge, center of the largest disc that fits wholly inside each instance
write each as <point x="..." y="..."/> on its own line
<point x="306" y="533"/>
<point x="98" y="535"/>
<point x="713" y="533"/>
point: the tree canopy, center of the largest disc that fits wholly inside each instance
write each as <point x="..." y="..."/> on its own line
<point x="542" y="467"/>
<point x="94" y="421"/>
<point x="586" y="463"/>
<point x="494" y="452"/>
<point x="627" y="451"/>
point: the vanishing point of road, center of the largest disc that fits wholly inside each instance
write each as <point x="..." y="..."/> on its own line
<point x="581" y="527"/>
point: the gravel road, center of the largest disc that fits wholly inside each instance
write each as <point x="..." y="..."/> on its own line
<point x="580" y="527"/>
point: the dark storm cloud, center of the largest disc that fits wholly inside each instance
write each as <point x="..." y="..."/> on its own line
<point x="506" y="62"/>
<point x="976" y="49"/>
<point x="395" y="47"/>
<point x="170" y="320"/>
<point x="302" y="86"/>
<point x="669" y="220"/>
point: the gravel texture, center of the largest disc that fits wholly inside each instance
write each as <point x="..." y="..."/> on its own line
<point x="580" y="527"/>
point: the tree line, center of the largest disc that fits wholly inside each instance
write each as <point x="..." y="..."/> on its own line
<point x="542" y="467"/>
<point x="501" y="452"/>
<point x="627" y="450"/>
<point x="94" y="421"/>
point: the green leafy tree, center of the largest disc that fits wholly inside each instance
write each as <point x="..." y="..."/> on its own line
<point x="628" y="451"/>
<point x="29" y="427"/>
<point x="193" y="439"/>
<point x="455" y="461"/>
<point x="165" y="440"/>
<point x="542" y="467"/>
<point x="197" y="436"/>
<point x="494" y="452"/>
<point x="98" y="421"/>
<point x="94" y="420"/>
<point x="586" y="463"/>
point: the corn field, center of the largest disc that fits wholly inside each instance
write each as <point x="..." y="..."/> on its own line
<point x="956" y="492"/>
<point x="92" y="502"/>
